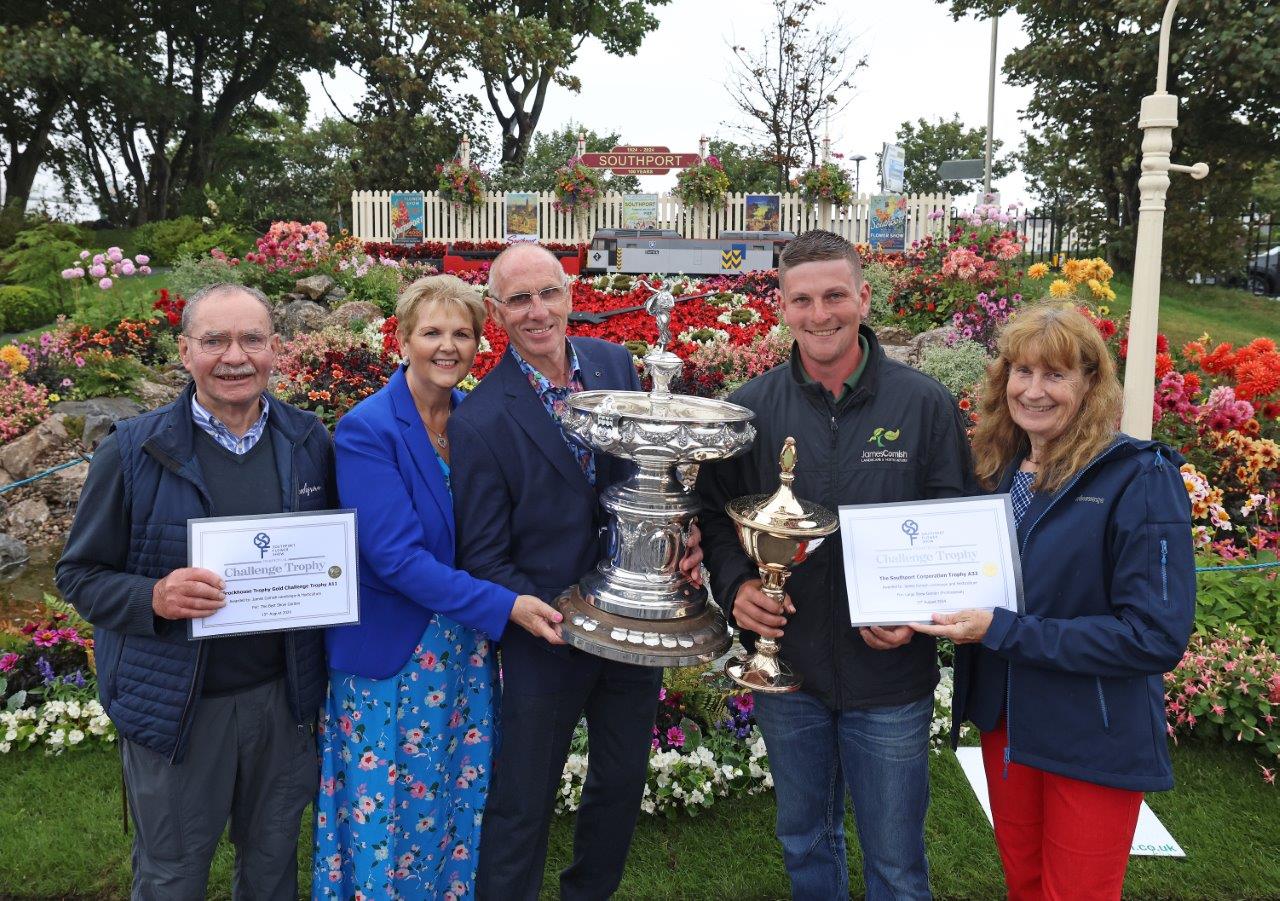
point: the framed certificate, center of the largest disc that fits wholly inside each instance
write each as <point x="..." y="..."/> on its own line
<point x="282" y="571"/>
<point x="905" y="562"/>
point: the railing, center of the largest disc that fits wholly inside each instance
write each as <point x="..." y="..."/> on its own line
<point x="371" y="217"/>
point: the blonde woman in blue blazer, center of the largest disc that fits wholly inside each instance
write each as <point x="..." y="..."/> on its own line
<point x="408" y="727"/>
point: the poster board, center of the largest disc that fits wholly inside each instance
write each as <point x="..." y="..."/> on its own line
<point x="639" y="211"/>
<point x="521" y="216"/>
<point x="763" y="213"/>
<point x="887" y="222"/>
<point x="408" y="217"/>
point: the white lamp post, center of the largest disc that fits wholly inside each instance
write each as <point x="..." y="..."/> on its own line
<point x="1157" y="119"/>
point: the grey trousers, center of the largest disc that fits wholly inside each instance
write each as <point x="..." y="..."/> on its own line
<point x="246" y="761"/>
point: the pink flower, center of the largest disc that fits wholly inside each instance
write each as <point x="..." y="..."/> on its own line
<point x="84" y="254"/>
<point x="460" y="852"/>
<point x="368" y="760"/>
<point x="344" y="723"/>
<point x="104" y="284"/>
<point x="473" y="736"/>
<point x="418" y="790"/>
<point x="115" y="254"/>
<point x="97" y="270"/>
<point x="427" y="660"/>
<point x="7" y="662"/>
<point x="142" y="259"/>
<point x="455" y="719"/>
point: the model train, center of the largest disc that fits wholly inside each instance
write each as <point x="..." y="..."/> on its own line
<point x="641" y="251"/>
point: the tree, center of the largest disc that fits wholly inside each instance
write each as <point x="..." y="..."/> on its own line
<point x="551" y="150"/>
<point x="523" y="46"/>
<point x="790" y="85"/>
<point x="1090" y="66"/>
<point x="927" y="144"/>
<point x="749" y="169"/>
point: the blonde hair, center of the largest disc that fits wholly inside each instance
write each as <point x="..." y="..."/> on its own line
<point x="430" y="290"/>
<point x="1063" y="338"/>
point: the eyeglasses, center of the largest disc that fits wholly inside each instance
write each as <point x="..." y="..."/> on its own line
<point x="250" y="343"/>
<point x="550" y="296"/>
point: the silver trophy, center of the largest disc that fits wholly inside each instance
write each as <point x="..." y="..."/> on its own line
<point x="636" y="606"/>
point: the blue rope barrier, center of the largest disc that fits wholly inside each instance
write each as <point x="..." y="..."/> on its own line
<point x="1214" y="569"/>
<point x="84" y="458"/>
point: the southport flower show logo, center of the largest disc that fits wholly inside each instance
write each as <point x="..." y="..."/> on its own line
<point x="262" y="541"/>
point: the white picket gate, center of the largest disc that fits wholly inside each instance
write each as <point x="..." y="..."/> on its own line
<point x="371" y="217"/>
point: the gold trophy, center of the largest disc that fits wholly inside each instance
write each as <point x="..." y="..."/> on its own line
<point x="777" y="531"/>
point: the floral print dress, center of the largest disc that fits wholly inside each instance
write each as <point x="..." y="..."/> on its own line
<point x="404" y="773"/>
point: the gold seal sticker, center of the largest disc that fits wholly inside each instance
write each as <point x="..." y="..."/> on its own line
<point x="335" y="571"/>
<point x="988" y="569"/>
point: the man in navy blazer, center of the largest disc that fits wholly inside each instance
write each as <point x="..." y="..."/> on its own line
<point x="526" y="500"/>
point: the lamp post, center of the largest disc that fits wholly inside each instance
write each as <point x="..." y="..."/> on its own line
<point x="1157" y="119"/>
<point x="857" y="172"/>
<point x="991" y="111"/>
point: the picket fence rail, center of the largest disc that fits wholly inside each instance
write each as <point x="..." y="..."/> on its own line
<point x="371" y="217"/>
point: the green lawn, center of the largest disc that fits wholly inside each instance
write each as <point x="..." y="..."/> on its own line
<point x="1188" y="311"/>
<point x="61" y="837"/>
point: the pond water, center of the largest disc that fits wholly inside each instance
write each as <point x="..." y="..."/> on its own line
<point x="22" y="588"/>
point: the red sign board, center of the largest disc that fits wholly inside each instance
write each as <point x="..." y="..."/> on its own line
<point x="640" y="160"/>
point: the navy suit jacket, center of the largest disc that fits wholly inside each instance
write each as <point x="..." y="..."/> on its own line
<point x="388" y="472"/>
<point x="527" y="517"/>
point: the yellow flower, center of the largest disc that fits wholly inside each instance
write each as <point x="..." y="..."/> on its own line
<point x="1109" y="294"/>
<point x="1096" y="287"/>
<point x="1103" y="311"/>
<point x="15" y="359"/>
<point x="1059" y="288"/>
<point x="1038" y="270"/>
<point x="54" y="398"/>
<point x="1077" y="271"/>
<point x="1102" y="270"/>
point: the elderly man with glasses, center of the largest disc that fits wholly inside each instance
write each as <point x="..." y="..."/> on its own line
<point x="526" y="500"/>
<point x="220" y="729"/>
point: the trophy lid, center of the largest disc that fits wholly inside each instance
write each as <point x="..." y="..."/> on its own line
<point x="782" y="513"/>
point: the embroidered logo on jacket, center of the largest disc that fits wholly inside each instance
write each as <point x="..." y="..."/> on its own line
<point x="881" y="435"/>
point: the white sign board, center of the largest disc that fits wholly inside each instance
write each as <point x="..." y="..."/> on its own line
<point x="893" y="165"/>
<point x="1150" y="838"/>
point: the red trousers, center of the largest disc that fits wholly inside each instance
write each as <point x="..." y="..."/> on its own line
<point x="1058" y="837"/>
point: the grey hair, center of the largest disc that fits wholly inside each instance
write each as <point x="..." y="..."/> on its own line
<point x="189" y="311"/>
<point x="491" y="287"/>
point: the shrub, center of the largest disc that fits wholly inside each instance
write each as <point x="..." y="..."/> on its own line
<point x="1243" y="597"/>
<point x="163" y="240"/>
<point x="959" y="366"/>
<point x="192" y="272"/>
<point x="107" y="375"/>
<point x="379" y="285"/>
<point x="35" y="260"/>
<point x="22" y="307"/>
<point x="23" y="406"/>
<point x="880" y="277"/>
<point x="227" y="238"/>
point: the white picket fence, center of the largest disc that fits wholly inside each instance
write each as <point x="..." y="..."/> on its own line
<point x="371" y="217"/>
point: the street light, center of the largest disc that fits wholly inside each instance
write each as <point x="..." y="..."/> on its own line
<point x="1157" y="119"/>
<point x="857" y="172"/>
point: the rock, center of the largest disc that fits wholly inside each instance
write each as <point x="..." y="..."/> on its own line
<point x="300" y="316"/>
<point x="289" y="297"/>
<point x="155" y="394"/>
<point x="357" y="310"/>
<point x="27" y="455"/>
<point x="12" y="553"/>
<point x="25" y="514"/>
<point x="899" y="352"/>
<point x="98" y="414"/>
<point x="336" y="294"/>
<point x="933" y="338"/>
<point x="893" y="335"/>
<point x="64" y="486"/>
<point x="314" y="286"/>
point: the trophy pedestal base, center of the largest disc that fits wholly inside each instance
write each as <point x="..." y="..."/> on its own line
<point x="761" y="673"/>
<point x="686" y="641"/>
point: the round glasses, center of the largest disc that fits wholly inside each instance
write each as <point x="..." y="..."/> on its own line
<point x="250" y="343"/>
<point x="550" y="296"/>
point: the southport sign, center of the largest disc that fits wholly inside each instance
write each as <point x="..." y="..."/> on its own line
<point x="640" y="160"/>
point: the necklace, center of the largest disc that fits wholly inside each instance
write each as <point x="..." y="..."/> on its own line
<point x="439" y="436"/>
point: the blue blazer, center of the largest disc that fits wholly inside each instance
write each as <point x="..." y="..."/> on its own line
<point x="527" y="516"/>
<point x="389" y="474"/>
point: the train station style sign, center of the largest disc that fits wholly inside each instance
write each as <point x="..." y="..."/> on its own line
<point x="640" y="160"/>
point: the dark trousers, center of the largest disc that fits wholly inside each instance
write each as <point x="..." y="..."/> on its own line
<point x="619" y="702"/>
<point x="246" y="761"/>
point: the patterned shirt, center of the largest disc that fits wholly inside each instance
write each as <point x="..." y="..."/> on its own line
<point x="223" y="435"/>
<point x="556" y="402"/>
<point x="1020" y="495"/>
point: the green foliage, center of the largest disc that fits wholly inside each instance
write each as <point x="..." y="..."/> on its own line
<point x="550" y="151"/>
<point x="928" y="144"/>
<point x="702" y="185"/>
<point x="748" y="168"/>
<point x="880" y="277"/>
<point x="191" y="273"/>
<point x="1243" y="597"/>
<point x="1089" y="65"/>
<point x="22" y="308"/>
<point x="129" y="298"/>
<point x="163" y="240"/>
<point x="36" y="260"/>
<point x="959" y="367"/>
<point x="227" y="238"/>
<point x="380" y="285"/>
<point x="106" y="375"/>
<point x="825" y="183"/>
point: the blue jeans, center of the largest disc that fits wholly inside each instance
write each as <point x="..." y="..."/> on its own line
<point x="882" y="755"/>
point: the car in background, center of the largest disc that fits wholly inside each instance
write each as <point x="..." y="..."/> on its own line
<point x="1264" y="272"/>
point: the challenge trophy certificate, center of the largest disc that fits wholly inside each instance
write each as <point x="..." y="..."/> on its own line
<point x="905" y="562"/>
<point x="282" y="571"/>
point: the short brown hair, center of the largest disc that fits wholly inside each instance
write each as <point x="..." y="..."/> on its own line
<point x="437" y="289"/>
<point x="817" y="246"/>
<point x="1062" y="337"/>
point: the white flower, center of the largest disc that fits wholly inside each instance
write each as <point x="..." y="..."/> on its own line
<point x="696" y="797"/>
<point x="75" y="736"/>
<point x="57" y="738"/>
<point x="10" y="734"/>
<point x="73" y="710"/>
<point x="4" y="747"/>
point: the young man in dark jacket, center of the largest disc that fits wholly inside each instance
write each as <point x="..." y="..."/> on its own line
<point x="221" y="728"/>
<point x="868" y="430"/>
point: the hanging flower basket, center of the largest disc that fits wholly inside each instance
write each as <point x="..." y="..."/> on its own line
<point x="703" y="185"/>
<point x="463" y="186"/>
<point x="577" y="187"/>
<point x="825" y="183"/>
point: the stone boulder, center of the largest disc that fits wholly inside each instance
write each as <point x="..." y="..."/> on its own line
<point x="13" y="553"/>
<point x="155" y="394"/>
<point x="893" y="335"/>
<point x="98" y="414"/>
<point x="933" y="338"/>
<point x="355" y="311"/>
<point x="899" y="352"/>
<point x="299" y="317"/>
<point x="314" y="286"/>
<point x="335" y="295"/>
<point x="26" y="514"/>
<point x="32" y="452"/>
